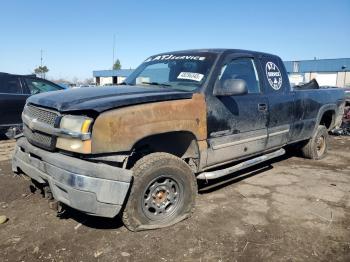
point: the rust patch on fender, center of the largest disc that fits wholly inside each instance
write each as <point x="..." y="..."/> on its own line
<point x="119" y="129"/>
<point x="202" y="145"/>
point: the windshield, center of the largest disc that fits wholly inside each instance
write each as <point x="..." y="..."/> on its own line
<point x="184" y="71"/>
<point x="37" y="86"/>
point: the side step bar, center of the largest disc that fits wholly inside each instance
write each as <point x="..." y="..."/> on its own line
<point x="251" y="162"/>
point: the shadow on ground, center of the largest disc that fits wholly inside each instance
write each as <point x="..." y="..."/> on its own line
<point x="91" y="221"/>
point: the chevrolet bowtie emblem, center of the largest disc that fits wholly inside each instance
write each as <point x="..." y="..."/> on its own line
<point x="31" y="123"/>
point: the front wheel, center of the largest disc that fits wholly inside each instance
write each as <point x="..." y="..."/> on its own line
<point x="163" y="192"/>
<point x="316" y="148"/>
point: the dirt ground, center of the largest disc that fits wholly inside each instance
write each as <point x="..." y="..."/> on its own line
<point x="290" y="209"/>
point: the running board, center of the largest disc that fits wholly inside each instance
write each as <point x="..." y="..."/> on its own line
<point x="240" y="166"/>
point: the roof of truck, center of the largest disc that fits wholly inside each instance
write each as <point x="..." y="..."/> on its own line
<point x="218" y="50"/>
<point x="9" y="74"/>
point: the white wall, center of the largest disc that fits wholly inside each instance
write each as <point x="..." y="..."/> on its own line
<point x="339" y="79"/>
<point x="106" y="81"/>
<point x="120" y="79"/>
<point x="296" y="79"/>
<point x="109" y="80"/>
<point x="325" y="79"/>
<point x="343" y="79"/>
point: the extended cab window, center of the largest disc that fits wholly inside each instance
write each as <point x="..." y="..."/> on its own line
<point x="10" y="85"/>
<point x="37" y="86"/>
<point x="244" y="69"/>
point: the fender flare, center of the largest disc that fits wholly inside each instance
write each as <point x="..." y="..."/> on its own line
<point x="321" y="111"/>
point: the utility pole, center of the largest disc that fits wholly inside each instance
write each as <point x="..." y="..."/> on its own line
<point x="113" y="50"/>
<point x="41" y="62"/>
<point x="41" y="57"/>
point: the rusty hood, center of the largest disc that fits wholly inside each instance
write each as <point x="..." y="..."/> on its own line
<point x="101" y="99"/>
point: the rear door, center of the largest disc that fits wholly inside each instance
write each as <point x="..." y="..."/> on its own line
<point x="280" y="101"/>
<point x="12" y="100"/>
<point x="237" y="125"/>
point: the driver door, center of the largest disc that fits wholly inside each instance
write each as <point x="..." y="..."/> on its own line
<point x="12" y="101"/>
<point x="237" y="124"/>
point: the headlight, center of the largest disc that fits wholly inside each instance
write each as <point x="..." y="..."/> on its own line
<point x="76" y="126"/>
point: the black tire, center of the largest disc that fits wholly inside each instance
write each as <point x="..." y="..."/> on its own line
<point x="316" y="148"/>
<point x="163" y="193"/>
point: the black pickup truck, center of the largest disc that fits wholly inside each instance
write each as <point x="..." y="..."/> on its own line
<point x="138" y="149"/>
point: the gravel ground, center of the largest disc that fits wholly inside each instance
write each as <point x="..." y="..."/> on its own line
<point x="6" y="149"/>
<point x="290" y="209"/>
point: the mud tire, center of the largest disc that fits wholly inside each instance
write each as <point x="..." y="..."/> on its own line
<point x="158" y="167"/>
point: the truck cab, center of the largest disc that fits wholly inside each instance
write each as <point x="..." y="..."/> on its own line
<point x="255" y="119"/>
<point x="138" y="149"/>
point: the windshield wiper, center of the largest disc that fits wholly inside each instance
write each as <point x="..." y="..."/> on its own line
<point x="155" y="84"/>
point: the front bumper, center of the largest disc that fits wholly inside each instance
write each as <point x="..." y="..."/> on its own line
<point x="94" y="188"/>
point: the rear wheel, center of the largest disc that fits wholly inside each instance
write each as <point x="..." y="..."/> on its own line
<point x="317" y="146"/>
<point x="163" y="192"/>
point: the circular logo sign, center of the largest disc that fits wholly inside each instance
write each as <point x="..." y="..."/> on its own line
<point x="273" y="75"/>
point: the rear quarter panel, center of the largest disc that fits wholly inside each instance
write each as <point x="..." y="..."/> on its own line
<point x="310" y="105"/>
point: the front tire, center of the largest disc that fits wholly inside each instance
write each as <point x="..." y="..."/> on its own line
<point x="316" y="148"/>
<point x="163" y="192"/>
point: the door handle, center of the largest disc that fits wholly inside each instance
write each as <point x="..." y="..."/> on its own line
<point x="262" y="107"/>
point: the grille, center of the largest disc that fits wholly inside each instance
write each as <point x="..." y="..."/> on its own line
<point x="42" y="115"/>
<point x="38" y="138"/>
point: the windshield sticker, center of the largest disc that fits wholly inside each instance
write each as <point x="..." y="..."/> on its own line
<point x="273" y="75"/>
<point x="190" y="76"/>
<point x="174" y="57"/>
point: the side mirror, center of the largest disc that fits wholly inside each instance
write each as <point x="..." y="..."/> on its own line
<point x="231" y="87"/>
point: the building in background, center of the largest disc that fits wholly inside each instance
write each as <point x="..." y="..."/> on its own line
<point x="327" y="72"/>
<point x="110" y="77"/>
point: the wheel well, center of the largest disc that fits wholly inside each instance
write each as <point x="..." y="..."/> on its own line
<point x="182" y="144"/>
<point x="327" y="119"/>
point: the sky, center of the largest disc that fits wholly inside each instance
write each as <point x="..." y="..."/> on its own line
<point x="77" y="36"/>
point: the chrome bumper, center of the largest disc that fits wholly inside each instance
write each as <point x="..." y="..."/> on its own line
<point x="94" y="188"/>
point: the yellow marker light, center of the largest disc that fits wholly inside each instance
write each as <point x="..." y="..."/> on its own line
<point x="79" y="124"/>
<point x="86" y="126"/>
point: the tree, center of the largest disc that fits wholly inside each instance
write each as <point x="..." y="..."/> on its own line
<point x="117" y="65"/>
<point x="75" y="80"/>
<point x="41" y="70"/>
<point x="88" y="81"/>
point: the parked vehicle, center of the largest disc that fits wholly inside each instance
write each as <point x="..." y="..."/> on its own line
<point x="344" y="128"/>
<point x="179" y="117"/>
<point x="63" y="85"/>
<point x="14" y="91"/>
